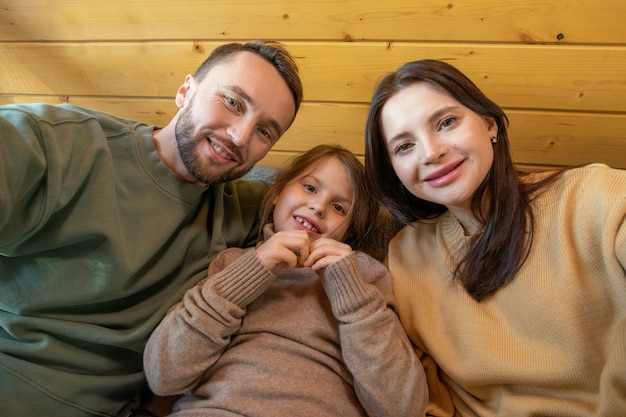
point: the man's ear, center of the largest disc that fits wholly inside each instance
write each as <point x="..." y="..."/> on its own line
<point x="185" y="91"/>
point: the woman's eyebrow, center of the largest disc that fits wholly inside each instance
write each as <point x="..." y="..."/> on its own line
<point x="436" y="115"/>
<point x="439" y="113"/>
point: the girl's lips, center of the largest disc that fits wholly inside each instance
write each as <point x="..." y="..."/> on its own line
<point x="442" y="175"/>
<point x="307" y="224"/>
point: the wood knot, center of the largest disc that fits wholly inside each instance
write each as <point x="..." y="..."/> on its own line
<point x="198" y="48"/>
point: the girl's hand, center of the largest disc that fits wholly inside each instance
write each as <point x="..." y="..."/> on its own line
<point x="325" y="251"/>
<point x="284" y="250"/>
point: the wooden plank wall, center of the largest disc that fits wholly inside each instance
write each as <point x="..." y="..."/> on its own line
<point x="558" y="67"/>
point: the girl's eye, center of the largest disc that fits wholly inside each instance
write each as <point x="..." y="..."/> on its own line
<point x="310" y="188"/>
<point x="339" y="208"/>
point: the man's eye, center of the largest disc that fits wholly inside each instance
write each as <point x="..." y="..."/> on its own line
<point x="232" y="102"/>
<point x="265" y="133"/>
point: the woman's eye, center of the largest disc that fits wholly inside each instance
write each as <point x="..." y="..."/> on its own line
<point x="447" y="122"/>
<point x="404" y="147"/>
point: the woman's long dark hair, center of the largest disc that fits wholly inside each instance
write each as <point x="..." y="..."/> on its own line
<point x="500" y="248"/>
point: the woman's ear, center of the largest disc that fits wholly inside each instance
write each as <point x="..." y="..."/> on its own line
<point x="492" y="127"/>
<point x="185" y="91"/>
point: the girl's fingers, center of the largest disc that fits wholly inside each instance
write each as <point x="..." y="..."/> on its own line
<point x="326" y="251"/>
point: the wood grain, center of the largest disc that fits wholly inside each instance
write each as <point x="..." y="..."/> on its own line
<point x="558" y="67"/>
<point x="517" y="21"/>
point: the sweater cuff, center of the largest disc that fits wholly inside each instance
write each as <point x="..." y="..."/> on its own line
<point x="243" y="280"/>
<point x="347" y="291"/>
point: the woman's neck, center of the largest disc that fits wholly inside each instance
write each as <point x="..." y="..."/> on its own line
<point x="466" y="219"/>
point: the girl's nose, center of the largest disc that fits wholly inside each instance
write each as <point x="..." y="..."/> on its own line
<point x="317" y="208"/>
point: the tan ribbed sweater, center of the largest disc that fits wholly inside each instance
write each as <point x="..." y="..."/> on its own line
<point x="245" y="342"/>
<point x="550" y="343"/>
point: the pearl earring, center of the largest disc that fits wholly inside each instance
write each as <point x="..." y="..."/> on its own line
<point x="494" y="139"/>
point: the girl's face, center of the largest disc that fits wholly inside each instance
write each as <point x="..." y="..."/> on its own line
<point x="440" y="149"/>
<point x="318" y="201"/>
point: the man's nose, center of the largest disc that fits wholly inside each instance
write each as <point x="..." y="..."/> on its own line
<point x="241" y="131"/>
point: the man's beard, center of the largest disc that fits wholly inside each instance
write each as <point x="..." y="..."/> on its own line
<point x="208" y="172"/>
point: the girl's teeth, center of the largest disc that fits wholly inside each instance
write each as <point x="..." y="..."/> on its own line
<point x="306" y="224"/>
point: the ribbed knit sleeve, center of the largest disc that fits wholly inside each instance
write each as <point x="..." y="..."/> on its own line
<point x="196" y="331"/>
<point x="350" y="298"/>
<point x="242" y="281"/>
<point x="374" y="345"/>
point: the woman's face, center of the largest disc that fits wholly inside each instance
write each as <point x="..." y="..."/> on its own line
<point x="440" y="149"/>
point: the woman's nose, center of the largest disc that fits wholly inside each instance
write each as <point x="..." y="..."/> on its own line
<point x="433" y="149"/>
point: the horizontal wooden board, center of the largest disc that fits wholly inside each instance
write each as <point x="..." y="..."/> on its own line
<point x="515" y="76"/>
<point x="548" y="21"/>
<point x="537" y="138"/>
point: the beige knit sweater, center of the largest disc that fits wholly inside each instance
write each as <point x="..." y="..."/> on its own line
<point x="245" y="342"/>
<point x="550" y="343"/>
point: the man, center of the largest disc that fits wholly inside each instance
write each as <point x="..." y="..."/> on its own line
<point x="105" y="222"/>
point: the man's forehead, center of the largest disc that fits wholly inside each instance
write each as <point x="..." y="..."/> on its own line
<point x="254" y="80"/>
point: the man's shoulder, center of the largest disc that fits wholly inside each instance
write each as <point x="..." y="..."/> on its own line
<point x="56" y="115"/>
<point x="252" y="187"/>
<point x="46" y="112"/>
<point x="246" y="191"/>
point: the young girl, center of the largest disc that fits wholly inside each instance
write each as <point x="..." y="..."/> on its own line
<point x="301" y="325"/>
<point x="511" y="286"/>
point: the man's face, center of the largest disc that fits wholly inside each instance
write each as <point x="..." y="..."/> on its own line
<point x="231" y="119"/>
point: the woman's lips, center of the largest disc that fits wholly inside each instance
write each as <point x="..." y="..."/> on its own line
<point x="444" y="175"/>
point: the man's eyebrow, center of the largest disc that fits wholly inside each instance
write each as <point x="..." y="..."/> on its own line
<point x="245" y="97"/>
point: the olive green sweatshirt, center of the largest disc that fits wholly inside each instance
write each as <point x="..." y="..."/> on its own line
<point x="98" y="238"/>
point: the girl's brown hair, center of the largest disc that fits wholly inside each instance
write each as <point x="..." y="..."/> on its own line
<point x="364" y="208"/>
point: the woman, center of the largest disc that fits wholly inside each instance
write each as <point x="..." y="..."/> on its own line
<point x="511" y="286"/>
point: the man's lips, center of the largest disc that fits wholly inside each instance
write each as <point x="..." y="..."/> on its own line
<point x="307" y="224"/>
<point x="222" y="151"/>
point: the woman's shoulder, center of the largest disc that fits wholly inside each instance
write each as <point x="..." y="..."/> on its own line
<point x="596" y="177"/>
<point x="594" y="187"/>
<point x="593" y="170"/>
